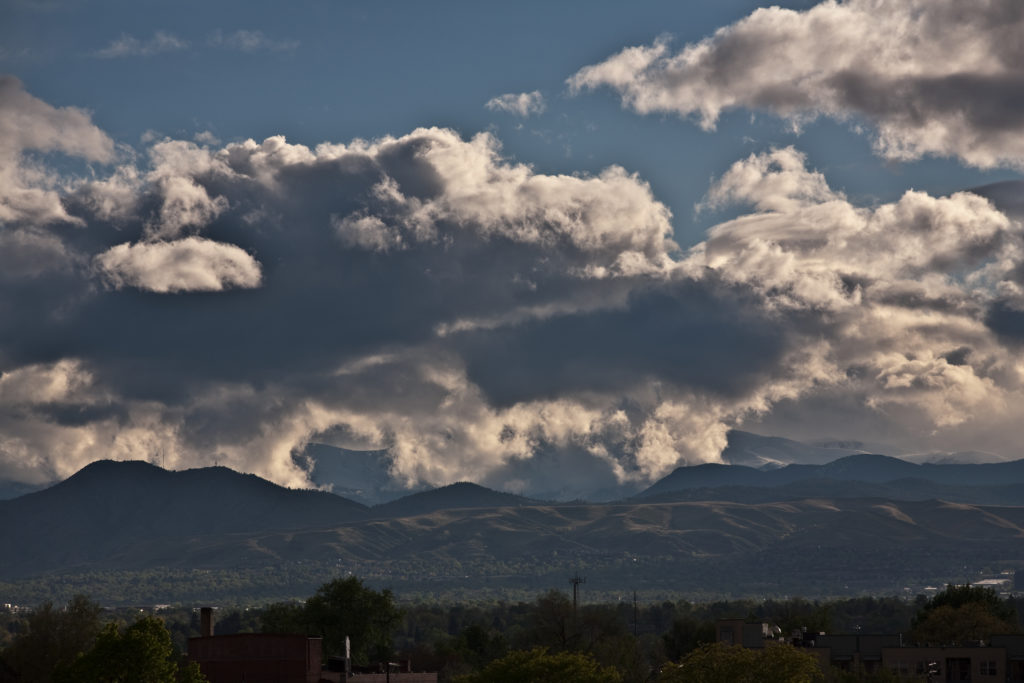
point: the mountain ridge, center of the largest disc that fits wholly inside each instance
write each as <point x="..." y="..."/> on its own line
<point x="109" y="506"/>
<point x="115" y="516"/>
<point x="462" y="494"/>
<point x="862" y="467"/>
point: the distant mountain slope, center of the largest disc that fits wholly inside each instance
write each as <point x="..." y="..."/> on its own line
<point x="863" y="467"/>
<point x="982" y="474"/>
<point x="708" y="475"/>
<point x="834" y="489"/>
<point x="814" y="546"/>
<point x="113" y="513"/>
<point x="955" y="458"/>
<point x="362" y="476"/>
<point x="459" y="495"/>
<point x="13" y="489"/>
<point x="754" y="450"/>
<point x="860" y="467"/>
<point x="134" y="516"/>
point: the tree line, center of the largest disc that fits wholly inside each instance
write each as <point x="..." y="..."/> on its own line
<point x="543" y="639"/>
<point x="75" y="644"/>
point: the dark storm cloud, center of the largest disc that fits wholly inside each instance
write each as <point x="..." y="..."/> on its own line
<point x="1007" y="195"/>
<point x="319" y="304"/>
<point x="233" y="302"/>
<point x="474" y="318"/>
<point x="1006" y="320"/>
<point x="984" y="102"/>
<point x="684" y="334"/>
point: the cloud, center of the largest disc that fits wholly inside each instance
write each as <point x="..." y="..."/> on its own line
<point x="521" y="104"/>
<point x="454" y="240"/>
<point x="187" y="265"/>
<point x="932" y="77"/>
<point x="777" y="181"/>
<point x="607" y="224"/>
<point x="250" y="41"/>
<point x="29" y="191"/>
<point x="206" y="138"/>
<point x="479" y="319"/>
<point x="902" y="290"/>
<point x="809" y="247"/>
<point x="130" y="46"/>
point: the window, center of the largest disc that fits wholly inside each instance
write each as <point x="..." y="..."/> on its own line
<point x="958" y="669"/>
<point x="987" y="668"/>
<point x="900" y="667"/>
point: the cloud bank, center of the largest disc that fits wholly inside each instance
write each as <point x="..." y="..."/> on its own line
<point x="476" y="318"/>
<point x="932" y="77"/>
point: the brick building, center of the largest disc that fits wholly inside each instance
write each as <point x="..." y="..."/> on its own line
<point x="280" y="658"/>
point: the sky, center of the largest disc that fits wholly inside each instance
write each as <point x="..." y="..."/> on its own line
<point x="513" y="244"/>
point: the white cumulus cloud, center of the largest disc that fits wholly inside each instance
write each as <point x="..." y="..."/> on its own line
<point x="904" y="288"/>
<point x="477" y="318"/>
<point x="934" y="77"/>
<point x="191" y="264"/>
<point x="30" y="191"/>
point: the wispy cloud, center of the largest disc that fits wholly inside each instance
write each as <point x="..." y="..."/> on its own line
<point x="130" y="46"/>
<point x="520" y="104"/>
<point x="249" y="41"/>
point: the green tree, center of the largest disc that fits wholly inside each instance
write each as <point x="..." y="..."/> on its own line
<point x="284" y="617"/>
<point x="540" y="666"/>
<point x="720" y="663"/>
<point x="550" y="623"/>
<point x="685" y="634"/>
<point x="947" y="625"/>
<point x="343" y="607"/>
<point x="190" y="673"/>
<point x="141" y="653"/>
<point x="961" y="613"/>
<point x="54" y="638"/>
<point x="479" y="647"/>
<point x="957" y="596"/>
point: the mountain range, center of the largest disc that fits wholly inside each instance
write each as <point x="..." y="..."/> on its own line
<point x="863" y="522"/>
<point x="974" y="483"/>
<point x="365" y="476"/>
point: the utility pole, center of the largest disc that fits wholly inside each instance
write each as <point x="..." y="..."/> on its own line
<point x="576" y="580"/>
<point x="634" y="614"/>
